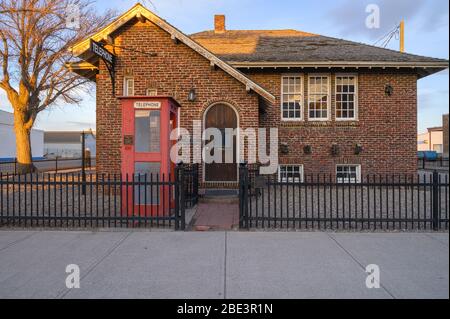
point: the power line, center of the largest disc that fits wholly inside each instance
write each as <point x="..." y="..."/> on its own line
<point x="385" y="39"/>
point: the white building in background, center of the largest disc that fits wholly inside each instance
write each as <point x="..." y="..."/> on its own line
<point x="432" y="140"/>
<point x="67" y="144"/>
<point x="8" y="139"/>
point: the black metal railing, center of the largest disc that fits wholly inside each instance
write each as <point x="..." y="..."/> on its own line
<point x="191" y="184"/>
<point x="98" y="200"/>
<point x="55" y="165"/>
<point x="319" y="202"/>
<point x="439" y="163"/>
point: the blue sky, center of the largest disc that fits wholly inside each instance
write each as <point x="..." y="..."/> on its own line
<point x="427" y="33"/>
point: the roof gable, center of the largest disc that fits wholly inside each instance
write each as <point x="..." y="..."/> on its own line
<point x="140" y="12"/>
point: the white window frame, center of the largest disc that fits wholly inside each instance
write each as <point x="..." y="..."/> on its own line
<point x="302" y="98"/>
<point x="149" y="90"/>
<point x="126" y="87"/>
<point x="358" y="173"/>
<point x="302" y="176"/>
<point x="328" y="76"/>
<point x="356" y="97"/>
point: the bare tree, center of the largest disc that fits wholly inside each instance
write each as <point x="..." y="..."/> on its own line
<point x="35" y="37"/>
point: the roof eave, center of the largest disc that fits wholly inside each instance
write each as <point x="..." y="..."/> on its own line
<point x="139" y="11"/>
<point x="425" y="67"/>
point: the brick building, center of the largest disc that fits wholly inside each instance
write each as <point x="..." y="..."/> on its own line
<point x="445" y="134"/>
<point x="341" y="108"/>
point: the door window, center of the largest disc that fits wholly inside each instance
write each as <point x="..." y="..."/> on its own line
<point x="146" y="192"/>
<point x="147" y="128"/>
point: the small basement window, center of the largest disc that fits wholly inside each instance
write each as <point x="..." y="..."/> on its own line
<point x="290" y="173"/>
<point x="348" y="173"/>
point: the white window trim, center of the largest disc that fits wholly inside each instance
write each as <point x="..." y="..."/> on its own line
<point x="302" y="93"/>
<point x="301" y="172"/>
<point x="328" y="75"/>
<point x="356" y="117"/>
<point x="125" y="86"/>
<point x="358" y="172"/>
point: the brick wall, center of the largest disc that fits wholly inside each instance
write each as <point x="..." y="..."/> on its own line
<point x="386" y="127"/>
<point x="156" y="62"/>
<point x="445" y="132"/>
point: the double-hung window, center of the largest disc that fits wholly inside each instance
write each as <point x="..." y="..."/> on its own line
<point x="128" y="86"/>
<point x="348" y="173"/>
<point x="319" y="97"/>
<point x="346" y="97"/>
<point x="290" y="173"/>
<point x="292" y="97"/>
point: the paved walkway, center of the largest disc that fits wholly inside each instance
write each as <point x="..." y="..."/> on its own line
<point x="216" y="216"/>
<point x="223" y="264"/>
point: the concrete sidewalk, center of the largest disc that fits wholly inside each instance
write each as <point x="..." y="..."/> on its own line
<point x="223" y="264"/>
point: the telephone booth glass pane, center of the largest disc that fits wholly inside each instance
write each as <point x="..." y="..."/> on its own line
<point x="147" y="127"/>
<point x="146" y="193"/>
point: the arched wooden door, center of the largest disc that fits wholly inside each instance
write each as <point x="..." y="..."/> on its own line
<point x="221" y="116"/>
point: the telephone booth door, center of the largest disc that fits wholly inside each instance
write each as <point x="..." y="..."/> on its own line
<point x="147" y="169"/>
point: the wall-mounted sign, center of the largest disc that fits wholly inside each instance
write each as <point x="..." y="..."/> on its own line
<point x="100" y="51"/>
<point x="128" y="140"/>
<point x="147" y="105"/>
<point x="109" y="59"/>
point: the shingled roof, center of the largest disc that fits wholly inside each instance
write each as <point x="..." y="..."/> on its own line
<point x="292" y="47"/>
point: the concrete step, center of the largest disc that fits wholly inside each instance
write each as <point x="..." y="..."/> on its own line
<point x="222" y="196"/>
<point x="219" y="199"/>
<point x="218" y="192"/>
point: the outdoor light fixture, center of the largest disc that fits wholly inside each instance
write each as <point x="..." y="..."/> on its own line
<point x="284" y="148"/>
<point x="388" y="90"/>
<point x="335" y="150"/>
<point x="358" y="149"/>
<point x="307" y="149"/>
<point x="192" y="95"/>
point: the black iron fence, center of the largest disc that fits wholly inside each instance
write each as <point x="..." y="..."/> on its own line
<point x="191" y="184"/>
<point x="319" y="202"/>
<point x="49" y="165"/>
<point x="75" y="201"/>
<point x="439" y="163"/>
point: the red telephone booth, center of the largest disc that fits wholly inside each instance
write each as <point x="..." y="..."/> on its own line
<point x="146" y="165"/>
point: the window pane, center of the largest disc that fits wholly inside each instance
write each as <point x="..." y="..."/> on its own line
<point x="347" y="174"/>
<point x="346" y="96"/>
<point x="146" y="194"/>
<point x="291" y="173"/>
<point x="147" y="127"/>
<point x="318" y="96"/>
<point x="291" y="97"/>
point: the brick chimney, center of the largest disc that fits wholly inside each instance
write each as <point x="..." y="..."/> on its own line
<point x="219" y="23"/>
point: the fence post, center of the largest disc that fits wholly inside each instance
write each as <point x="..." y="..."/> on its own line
<point x="15" y="165"/>
<point x="243" y="195"/>
<point x="56" y="164"/>
<point x="436" y="217"/>
<point x="195" y="177"/>
<point x="180" y="205"/>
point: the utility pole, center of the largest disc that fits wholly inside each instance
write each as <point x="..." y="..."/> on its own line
<point x="402" y="36"/>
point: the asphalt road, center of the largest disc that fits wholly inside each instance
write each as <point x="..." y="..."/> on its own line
<point x="223" y="264"/>
<point x="48" y="165"/>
